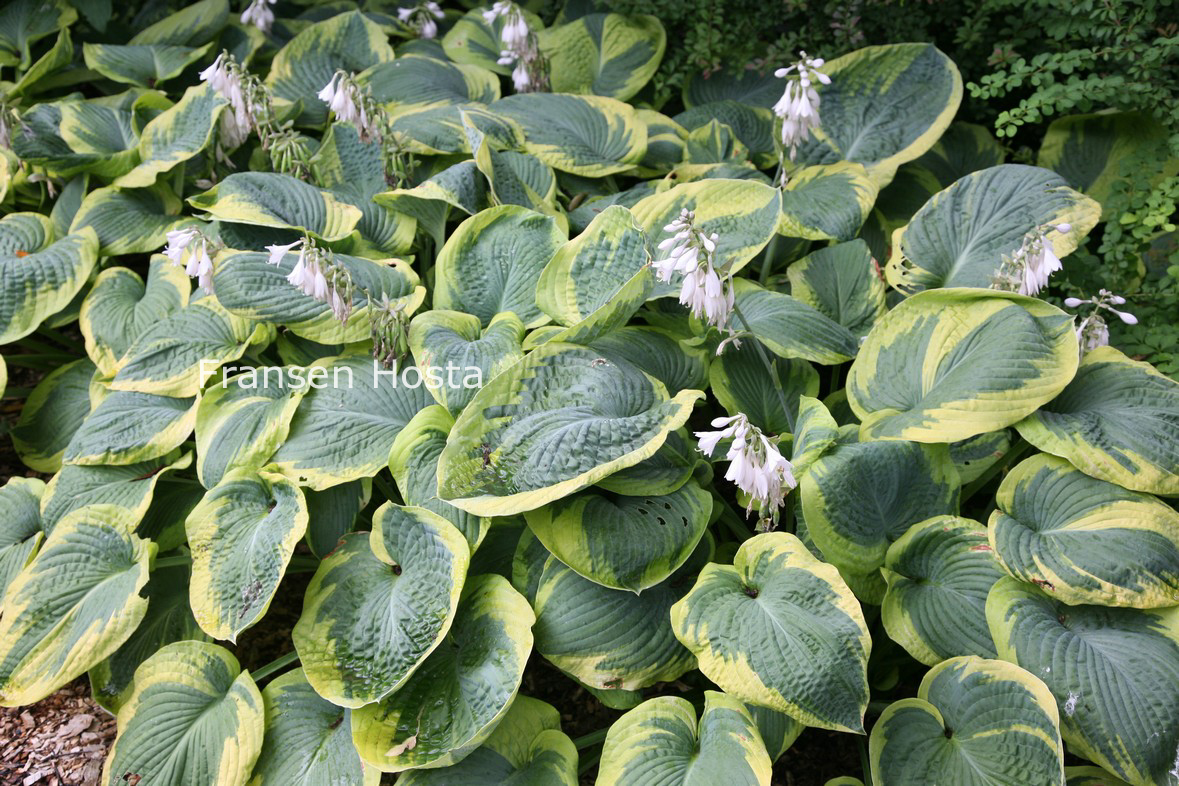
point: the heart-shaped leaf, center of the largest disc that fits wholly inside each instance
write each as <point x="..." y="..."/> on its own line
<point x="939" y="574"/>
<point x="193" y="717"/>
<point x="1117" y="420"/>
<point x="74" y="604"/>
<point x="624" y="542"/>
<point x="120" y="307"/>
<point x="242" y="535"/>
<point x="380" y="604"/>
<point x="781" y="629"/>
<point x="51" y="414"/>
<point x="454" y="701"/>
<point x="661" y="742"/>
<point x="950" y="364"/>
<point x="20" y="527"/>
<point x="604" y="54"/>
<point x="308" y="739"/>
<point x="1084" y="540"/>
<point x="969" y="716"/>
<point x="462" y="353"/>
<point x="562" y="401"/>
<point x="527" y="747"/>
<point x="1114" y="673"/>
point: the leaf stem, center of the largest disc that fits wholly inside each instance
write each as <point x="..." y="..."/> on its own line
<point x="771" y="366"/>
<point x="591" y="739"/>
<point x="277" y="664"/>
<point x="172" y="562"/>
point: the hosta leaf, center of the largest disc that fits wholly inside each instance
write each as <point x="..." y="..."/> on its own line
<point x="1084" y="540"/>
<point x="130" y="220"/>
<point x="344" y="428"/>
<point x="827" y="202"/>
<point x="969" y="718"/>
<point x="861" y="497"/>
<point x="273" y="199"/>
<point x="472" y="40"/>
<point x="778" y="730"/>
<point x="145" y="65"/>
<point x="441" y="130"/>
<point x="248" y="286"/>
<point x="1117" y="420"/>
<point x="660" y="742"/>
<point x="192" y="25"/>
<point x="975" y="455"/>
<point x="557" y="421"/>
<point x="790" y="328"/>
<point x="781" y="629"/>
<point x="612" y="316"/>
<point x="527" y="748"/>
<point x="168" y="619"/>
<point x="193" y="718"/>
<point x="624" y="542"/>
<point x="332" y="513"/>
<point x="727" y="131"/>
<point x="583" y="274"/>
<point x="242" y="535"/>
<point x="129" y="427"/>
<point x="939" y="573"/>
<point x="20" y="527"/>
<point x="74" y="604"/>
<point x="1114" y="673"/>
<point x="129" y="488"/>
<point x="40" y="276"/>
<point x="742" y="213"/>
<point x="308" y="739"/>
<point x="610" y="638"/>
<point x="454" y="344"/>
<point x="418" y="81"/>
<point x="959" y="237"/>
<point x="748" y="86"/>
<point x="741" y="384"/>
<point x="1088" y="151"/>
<point x="605" y="54"/>
<point x="380" y="604"/>
<point x="454" y="700"/>
<point x="23" y="22"/>
<point x="175" y="135"/>
<point x="241" y="422"/>
<point x="663" y="473"/>
<point x="513" y="178"/>
<point x="950" y="364"/>
<point x="413" y="462"/>
<point x="668" y="358"/>
<point x="885" y="105"/>
<point x="354" y="171"/>
<point x="665" y="142"/>
<point x="178" y="354"/>
<point x="102" y="139"/>
<point x="592" y="136"/>
<point x="1090" y="776"/>
<point x="843" y="283"/>
<point x="349" y="41"/>
<point x="492" y="261"/>
<point x="51" y="414"/>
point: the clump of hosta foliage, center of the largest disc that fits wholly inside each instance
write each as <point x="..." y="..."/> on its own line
<point x="745" y="418"/>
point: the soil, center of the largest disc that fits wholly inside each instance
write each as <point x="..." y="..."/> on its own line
<point x="60" y="741"/>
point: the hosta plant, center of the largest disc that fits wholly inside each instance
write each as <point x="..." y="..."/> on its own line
<point x="380" y="366"/>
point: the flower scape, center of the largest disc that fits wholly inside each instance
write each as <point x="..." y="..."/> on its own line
<point x="782" y="410"/>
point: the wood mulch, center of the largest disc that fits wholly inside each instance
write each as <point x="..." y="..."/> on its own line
<point x="60" y="741"/>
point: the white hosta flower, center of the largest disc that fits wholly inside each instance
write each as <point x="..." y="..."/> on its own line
<point x="691" y="253"/>
<point x="277" y="252"/>
<point x="1092" y="333"/>
<point x="223" y="77"/>
<point x="798" y="107"/>
<point x="189" y="249"/>
<point x="259" y="14"/>
<point x="497" y="10"/>
<point x="421" y="17"/>
<point x="755" y="464"/>
<point x="1039" y="262"/>
<point x="347" y="100"/>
